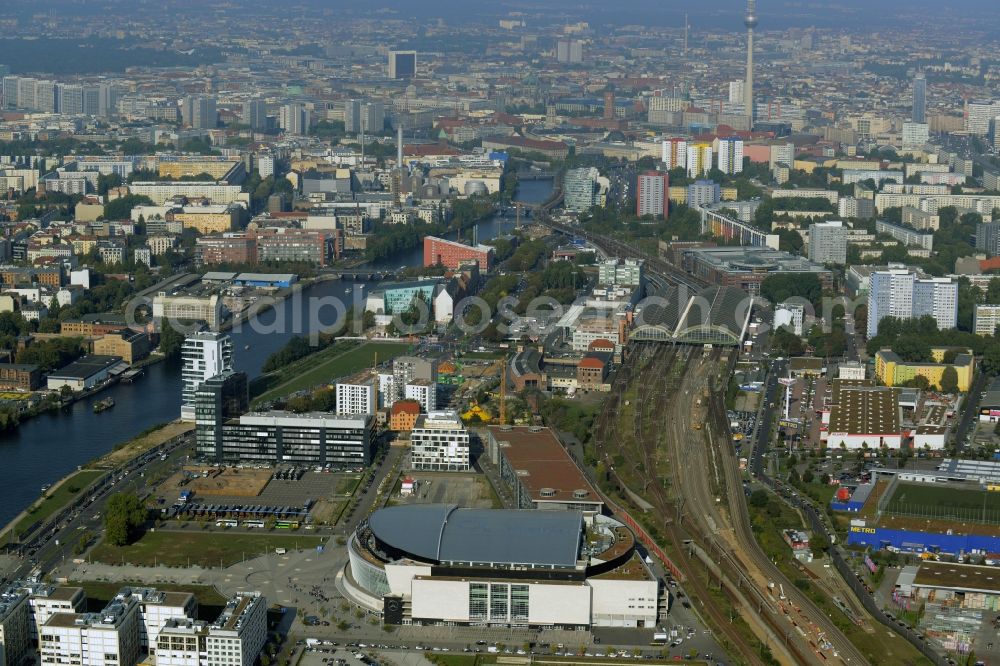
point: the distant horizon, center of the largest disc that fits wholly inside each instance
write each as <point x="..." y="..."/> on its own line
<point x="707" y="14"/>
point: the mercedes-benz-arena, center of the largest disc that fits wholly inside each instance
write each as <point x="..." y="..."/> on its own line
<point x="440" y="564"/>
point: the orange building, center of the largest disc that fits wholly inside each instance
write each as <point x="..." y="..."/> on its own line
<point x="404" y="415"/>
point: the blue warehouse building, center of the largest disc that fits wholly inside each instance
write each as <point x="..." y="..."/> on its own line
<point x="271" y="280"/>
<point x="918" y="542"/>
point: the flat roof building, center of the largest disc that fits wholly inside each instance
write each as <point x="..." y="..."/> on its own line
<point x="108" y="638"/>
<point x="863" y="415"/>
<point x="15" y="627"/>
<point x="84" y="373"/>
<point x="47" y="600"/>
<point x="312" y="438"/>
<point x="539" y="471"/>
<point x="747" y="267"/>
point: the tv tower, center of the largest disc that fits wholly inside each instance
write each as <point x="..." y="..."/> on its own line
<point x="750" y="21"/>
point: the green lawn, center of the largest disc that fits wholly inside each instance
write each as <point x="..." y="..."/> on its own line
<point x="203" y="549"/>
<point x="58" y="498"/>
<point x="327" y="365"/>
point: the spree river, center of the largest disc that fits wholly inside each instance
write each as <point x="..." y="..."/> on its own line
<point x="49" y="446"/>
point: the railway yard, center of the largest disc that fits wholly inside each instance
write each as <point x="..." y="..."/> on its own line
<point x="664" y="441"/>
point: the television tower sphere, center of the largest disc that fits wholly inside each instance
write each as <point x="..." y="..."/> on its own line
<point x="750" y="19"/>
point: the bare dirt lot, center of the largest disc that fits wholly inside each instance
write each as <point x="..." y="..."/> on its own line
<point x="230" y="482"/>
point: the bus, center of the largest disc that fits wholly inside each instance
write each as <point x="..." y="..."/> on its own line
<point x="253" y="523"/>
<point x="287" y="524"/>
<point x="227" y="523"/>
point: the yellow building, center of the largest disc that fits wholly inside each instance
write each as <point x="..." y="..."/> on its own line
<point x="730" y="194"/>
<point x="130" y="345"/>
<point x="678" y="194"/>
<point x="891" y="370"/>
<point x="208" y="219"/>
<point x="179" y="168"/>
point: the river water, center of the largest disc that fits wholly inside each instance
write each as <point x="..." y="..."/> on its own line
<point x="46" y="448"/>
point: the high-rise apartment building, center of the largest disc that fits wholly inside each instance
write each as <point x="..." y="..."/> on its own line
<point x="828" y="242"/>
<point x="621" y="272"/>
<point x="978" y="114"/>
<point x="294" y="119"/>
<point x="569" y="51"/>
<point x="986" y="320"/>
<point x="402" y="64"/>
<point x="731" y="156"/>
<point x="199" y="112"/>
<point x="919" y="114"/>
<point x="439" y="442"/>
<point x="898" y="292"/>
<point x="205" y="354"/>
<point x="703" y="193"/>
<point x="357" y="398"/>
<point x="675" y="153"/>
<point x="915" y="135"/>
<point x="424" y="391"/>
<point x="736" y="89"/>
<point x="361" y="116"/>
<point x="255" y="114"/>
<point x="699" y="159"/>
<point x="652" y="190"/>
<point x="988" y="238"/>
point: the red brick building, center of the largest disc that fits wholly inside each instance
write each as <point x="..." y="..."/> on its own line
<point x="403" y="415"/>
<point x="591" y="372"/>
<point x="227" y="249"/>
<point x="451" y="254"/>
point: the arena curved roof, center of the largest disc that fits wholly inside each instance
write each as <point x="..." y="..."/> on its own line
<point x="447" y="533"/>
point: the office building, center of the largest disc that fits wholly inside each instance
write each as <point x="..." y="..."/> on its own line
<point x="987" y="318"/>
<point x="294" y="119"/>
<point x="699" y="159"/>
<point x="217" y="400"/>
<point x="495" y="567"/>
<point x="652" y="189"/>
<point x="15" y="627"/>
<point x="703" y="193"/>
<point x="746" y="267"/>
<point x="898" y="292"/>
<point x="156" y="607"/>
<point x="919" y="114"/>
<point x="423" y="391"/>
<point x="452" y="255"/>
<point x="46" y="600"/>
<point x="108" y="638"/>
<point x="199" y="112"/>
<point x="439" y="442"/>
<point x="312" y="438"/>
<point x="731" y="156"/>
<point x="204" y="354"/>
<point x="828" y="242"/>
<point x="674" y="154"/>
<point x="357" y="398"/>
<point x="236" y="638"/>
<point x="580" y="189"/>
<point x="402" y="64"/>
<point x="255" y="114"/>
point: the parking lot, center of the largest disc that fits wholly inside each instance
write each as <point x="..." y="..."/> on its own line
<point x="281" y="493"/>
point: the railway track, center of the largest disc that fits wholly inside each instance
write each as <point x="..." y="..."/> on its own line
<point x="706" y="496"/>
<point x="799" y="608"/>
<point x="652" y="367"/>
